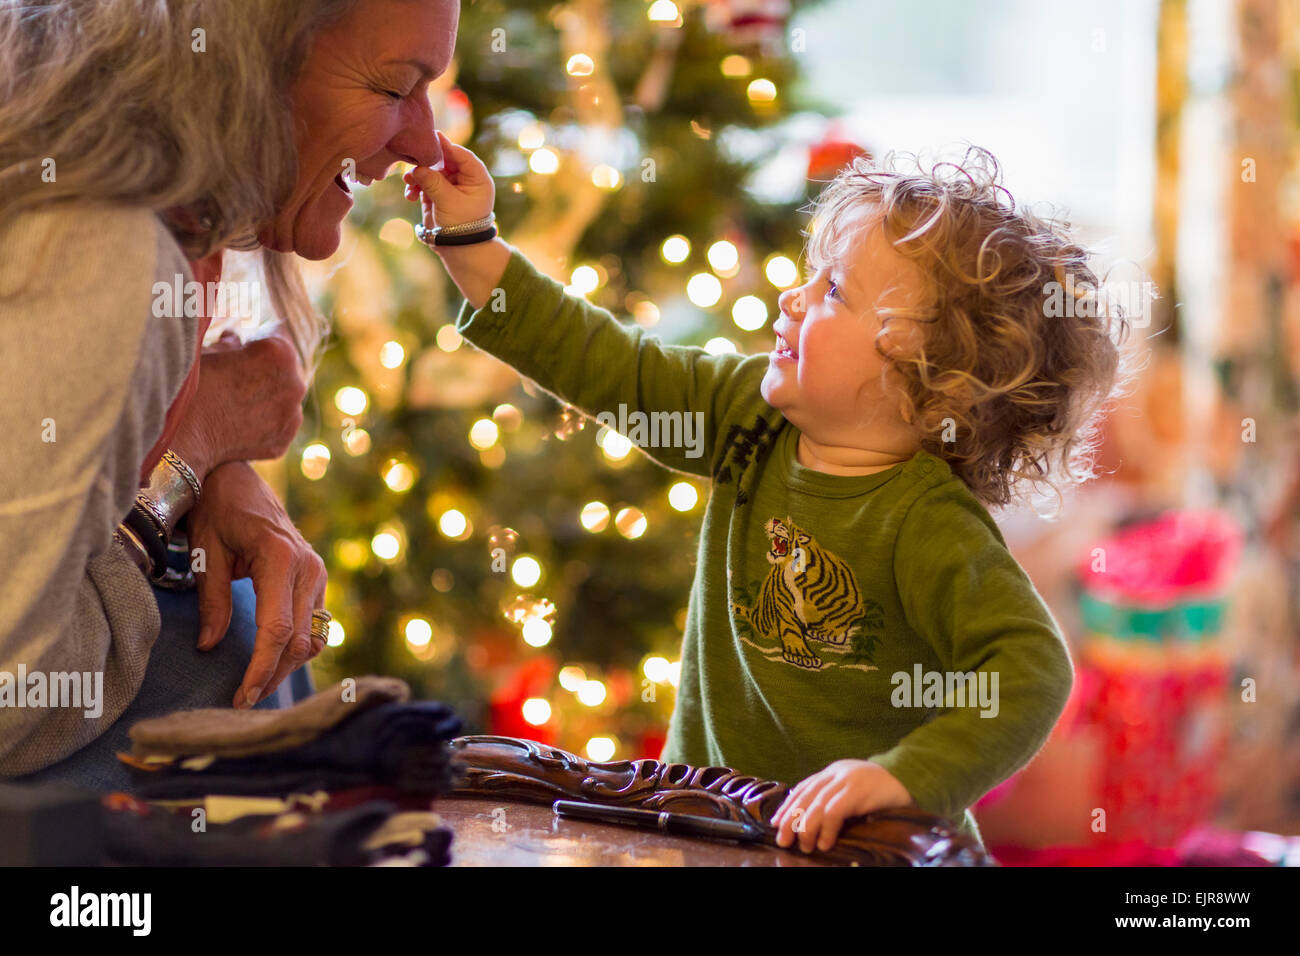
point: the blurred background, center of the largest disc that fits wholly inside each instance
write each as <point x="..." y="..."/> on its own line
<point x="532" y="569"/>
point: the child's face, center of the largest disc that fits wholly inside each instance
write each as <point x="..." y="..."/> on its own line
<point x="825" y="372"/>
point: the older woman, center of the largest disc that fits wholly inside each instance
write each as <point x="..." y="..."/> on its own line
<point x="138" y="140"/>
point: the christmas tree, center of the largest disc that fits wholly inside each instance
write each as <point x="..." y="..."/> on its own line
<point x="484" y="542"/>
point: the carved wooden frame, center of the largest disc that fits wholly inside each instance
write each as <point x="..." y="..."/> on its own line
<point x="534" y="772"/>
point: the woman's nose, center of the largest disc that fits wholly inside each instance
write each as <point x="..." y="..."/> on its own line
<point x="417" y="142"/>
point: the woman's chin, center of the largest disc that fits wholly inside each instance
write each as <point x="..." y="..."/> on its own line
<point x="319" y="242"/>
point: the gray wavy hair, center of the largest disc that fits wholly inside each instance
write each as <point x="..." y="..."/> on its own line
<point x="115" y="91"/>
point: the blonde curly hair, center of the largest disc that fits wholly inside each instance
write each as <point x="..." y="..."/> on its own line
<point x="1005" y="388"/>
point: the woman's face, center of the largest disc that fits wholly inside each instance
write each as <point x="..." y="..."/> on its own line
<point x="361" y="103"/>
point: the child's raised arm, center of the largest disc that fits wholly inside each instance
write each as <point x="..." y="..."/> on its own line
<point x="672" y="401"/>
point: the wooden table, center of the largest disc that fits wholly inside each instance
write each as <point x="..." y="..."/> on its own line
<point x="501" y="813"/>
<point x="496" y="833"/>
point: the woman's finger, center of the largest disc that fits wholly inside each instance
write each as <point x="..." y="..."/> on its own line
<point x="308" y="595"/>
<point x="214" y="595"/>
<point x="273" y="586"/>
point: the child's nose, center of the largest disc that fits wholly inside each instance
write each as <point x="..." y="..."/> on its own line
<point x="791" y="301"/>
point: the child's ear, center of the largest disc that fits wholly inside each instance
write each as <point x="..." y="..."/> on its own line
<point x="901" y="337"/>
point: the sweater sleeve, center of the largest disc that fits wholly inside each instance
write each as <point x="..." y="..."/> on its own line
<point x="586" y="357"/>
<point x="90" y="372"/>
<point x="965" y="594"/>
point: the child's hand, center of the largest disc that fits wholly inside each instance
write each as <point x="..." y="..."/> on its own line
<point x="462" y="191"/>
<point x="821" y="803"/>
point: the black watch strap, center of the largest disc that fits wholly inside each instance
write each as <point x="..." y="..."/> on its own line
<point x="147" y="531"/>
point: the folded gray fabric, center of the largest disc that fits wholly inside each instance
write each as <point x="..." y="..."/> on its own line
<point x="226" y="732"/>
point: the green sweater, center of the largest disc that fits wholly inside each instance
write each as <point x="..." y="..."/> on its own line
<point x="830" y="615"/>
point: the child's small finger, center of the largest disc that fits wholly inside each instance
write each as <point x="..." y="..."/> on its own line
<point x="449" y="164"/>
<point x="785" y="834"/>
<point x="831" y="825"/>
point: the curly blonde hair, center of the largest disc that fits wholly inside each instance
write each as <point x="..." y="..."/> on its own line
<point x="1005" y="388"/>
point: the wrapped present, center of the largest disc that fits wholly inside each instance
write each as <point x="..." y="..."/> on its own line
<point x="1152" y="606"/>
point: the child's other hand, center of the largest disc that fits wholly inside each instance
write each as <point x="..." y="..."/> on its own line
<point x="820" y="804"/>
<point x="462" y="191"/>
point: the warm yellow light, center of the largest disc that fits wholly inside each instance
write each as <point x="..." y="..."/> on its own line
<point x="704" y="290"/>
<point x="350" y="400"/>
<point x="585" y="279"/>
<point x="683" y="496"/>
<point x="398" y="475"/>
<point x="631" y="523"/>
<point x="736" y="65"/>
<point x="484" y="433"/>
<point x="591" y="693"/>
<point x="761" y="91"/>
<point x="532" y="136"/>
<point x="720" y="346"/>
<point x="315" y="460"/>
<point x="781" y="272"/>
<point x="526" y="571"/>
<point x="397" y="232"/>
<point x="600" y="749"/>
<point x="418" y="632"/>
<point x="580" y="65"/>
<point x="351" y="553"/>
<point x="572" y="677"/>
<point x="723" y="256"/>
<point x="646" y="313"/>
<point x="657" y="669"/>
<point x="453" y="524"/>
<point x="594" y="516"/>
<point x="614" y="446"/>
<point x="336" y="636"/>
<point x="604" y="176"/>
<point x="356" y="441"/>
<point x="675" y="249"/>
<point x="536" y="632"/>
<point x="391" y="354"/>
<point x="448" y="338"/>
<point x="536" y="710"/>
<point x="508" y="417"/>
<point x="749" y="312"/>
<point x="675" y="673"/>
<point x="663" y="11"/>
<point x="386" y="545"/>
<point x="544" y="161"/>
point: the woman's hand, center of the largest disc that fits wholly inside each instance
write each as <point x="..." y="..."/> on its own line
<point x="248" y="405"/>
<point x="821" y="803"/>
<point x="243" y="531"/>
<point x="462" y="191"/>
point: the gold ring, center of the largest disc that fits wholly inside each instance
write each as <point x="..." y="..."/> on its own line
<point x="320" y="623"/>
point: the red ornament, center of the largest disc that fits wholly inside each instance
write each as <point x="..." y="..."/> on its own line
<point x="833" y="153"/>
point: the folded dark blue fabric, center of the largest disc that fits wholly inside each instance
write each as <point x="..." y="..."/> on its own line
<point x="402" y="745"/>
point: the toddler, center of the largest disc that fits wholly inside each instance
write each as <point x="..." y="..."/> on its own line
<point x="856" y="623"/>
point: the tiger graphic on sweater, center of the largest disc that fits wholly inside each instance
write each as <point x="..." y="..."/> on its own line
<point x="808" y="594"/>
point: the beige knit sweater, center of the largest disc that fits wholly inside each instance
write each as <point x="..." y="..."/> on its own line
<point x="83" y="360"/>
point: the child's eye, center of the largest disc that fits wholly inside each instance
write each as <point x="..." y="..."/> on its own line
<point x="832" y="289"/>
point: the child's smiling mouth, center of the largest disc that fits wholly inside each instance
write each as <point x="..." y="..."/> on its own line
<point x="783" y="350"/>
